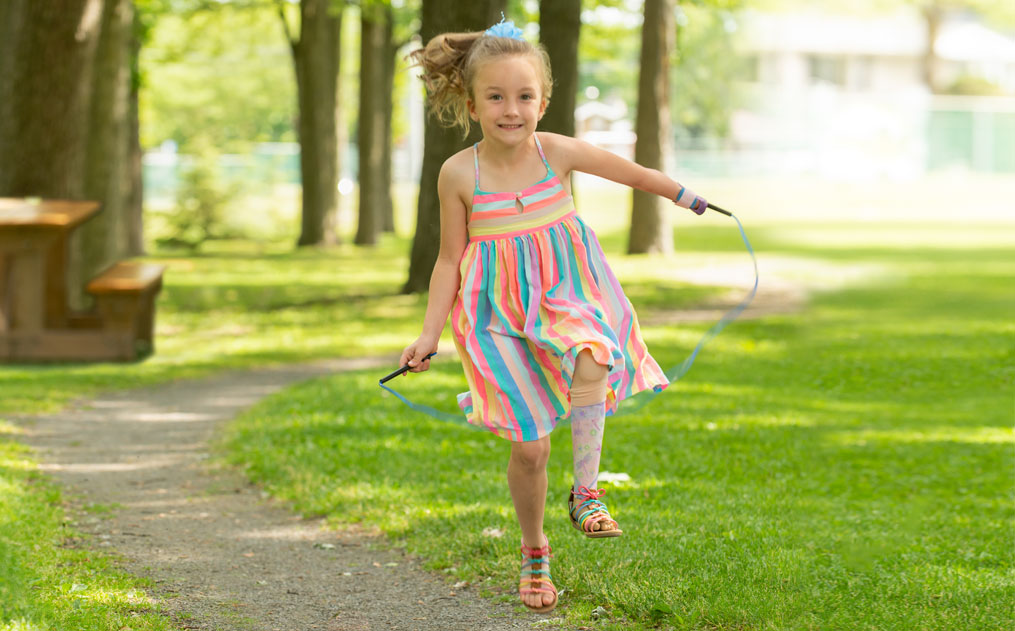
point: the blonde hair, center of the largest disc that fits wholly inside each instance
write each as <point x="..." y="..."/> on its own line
<point x="450" y="62"/>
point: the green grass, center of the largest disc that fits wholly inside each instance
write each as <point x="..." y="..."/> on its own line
<point x="848" y="467"/>
<point x="48" y="580"/>
<point x="236" y="306"/>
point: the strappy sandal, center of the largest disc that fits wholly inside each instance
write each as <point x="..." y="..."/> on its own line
<point x="589" y="512"/>
<point x="537" y="581"/>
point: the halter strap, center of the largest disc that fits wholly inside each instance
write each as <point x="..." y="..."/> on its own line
<point x="475" y="160"/>
<point x="541" y="154"/>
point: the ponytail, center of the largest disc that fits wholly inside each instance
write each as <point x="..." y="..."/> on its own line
<point x="450" y="61"/>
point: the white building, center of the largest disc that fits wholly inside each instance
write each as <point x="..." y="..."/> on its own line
<point x="846" y="95"/>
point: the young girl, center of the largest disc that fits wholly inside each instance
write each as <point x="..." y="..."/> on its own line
<point x="542" y="326"/>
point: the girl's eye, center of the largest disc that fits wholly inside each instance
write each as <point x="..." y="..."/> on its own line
<point x="495" y="97"/>
<point x="527" y="97"/>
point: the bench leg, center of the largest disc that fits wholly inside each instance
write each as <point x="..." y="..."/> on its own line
<point x="132" y="314"/>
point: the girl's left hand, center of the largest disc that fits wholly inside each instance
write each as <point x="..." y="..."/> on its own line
<point x="686" y="198"/>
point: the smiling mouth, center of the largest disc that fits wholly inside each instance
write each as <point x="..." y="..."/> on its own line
<point x="510" y="126"/>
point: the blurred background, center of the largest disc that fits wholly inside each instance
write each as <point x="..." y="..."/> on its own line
<point x="783" y="110"/>
<point x="791" y="100"/>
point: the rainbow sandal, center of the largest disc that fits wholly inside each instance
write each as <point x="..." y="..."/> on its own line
<point x="533" y="581"/>
<point x="589" y="512"/>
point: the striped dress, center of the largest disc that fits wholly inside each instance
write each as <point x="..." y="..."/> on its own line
<point x="536" y="290"/>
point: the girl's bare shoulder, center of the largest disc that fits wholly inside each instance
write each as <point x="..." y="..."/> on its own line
<point x="559" y="149"/>
<point x="458" y="172"/>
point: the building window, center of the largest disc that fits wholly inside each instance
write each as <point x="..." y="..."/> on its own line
<point x="825" y="69"/>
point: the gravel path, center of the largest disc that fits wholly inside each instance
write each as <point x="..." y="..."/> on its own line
<point x="221" y="554"/>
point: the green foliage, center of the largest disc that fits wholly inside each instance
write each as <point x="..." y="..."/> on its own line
<point x="201" y="203"/>
<point x="969" y="85"/>
<point x="702" y="95"/>
<point x="220" y="77"/>
<point x="702" y="71"/>
<point x="607" y="51"/>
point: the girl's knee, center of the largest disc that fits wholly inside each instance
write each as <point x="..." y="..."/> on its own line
<point x="531" y="454"/>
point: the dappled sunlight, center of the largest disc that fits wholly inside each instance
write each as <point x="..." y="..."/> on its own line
<point x="9" y="429"/>
<point x="84" y="468"/>
<point x="933" y="434"/>
<point x="174" y="417"/>
<point x="83" y="595"/>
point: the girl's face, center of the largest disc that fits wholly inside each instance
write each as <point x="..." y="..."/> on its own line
<point x="508" y="98"/>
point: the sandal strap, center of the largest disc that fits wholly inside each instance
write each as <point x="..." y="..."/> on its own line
<point x="534" y="581"/>
<point x="591" y="511"/>
<point x="536" y="552"/>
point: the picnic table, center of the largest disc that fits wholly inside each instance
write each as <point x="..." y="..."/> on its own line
<point x="33" y="260"/>
<point x="36" y="322"/>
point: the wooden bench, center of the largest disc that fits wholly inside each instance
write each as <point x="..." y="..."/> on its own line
<point x="125" y="304"/>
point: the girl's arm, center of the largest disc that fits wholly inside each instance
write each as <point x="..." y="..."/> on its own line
<point x="578" y="155"/>
<point x="446" y="277"/>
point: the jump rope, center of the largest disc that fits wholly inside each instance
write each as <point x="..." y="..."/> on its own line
<point x="639" y="400"/>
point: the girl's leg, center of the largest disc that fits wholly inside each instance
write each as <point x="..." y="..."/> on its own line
<point x="527" y="481"/>
<point x="588" y="423"/>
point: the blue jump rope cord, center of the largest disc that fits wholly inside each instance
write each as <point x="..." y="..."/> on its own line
<point x="673" y="374"/>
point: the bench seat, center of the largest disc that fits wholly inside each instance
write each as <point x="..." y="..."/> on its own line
<point x="127" y="277"/>
<point x="125" y="304"/>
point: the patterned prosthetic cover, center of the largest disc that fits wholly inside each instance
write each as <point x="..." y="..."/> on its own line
<point x="587" y="425"/>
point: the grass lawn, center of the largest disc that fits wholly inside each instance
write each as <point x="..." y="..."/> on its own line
<point x="846" y="467"/>
<point x="849" y="466"/>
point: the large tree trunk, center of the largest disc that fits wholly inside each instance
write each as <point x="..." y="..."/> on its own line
<point x="316" y="59"/>
<point x="371" y="127"/>
<point x="559" y="29"/>
<point x="46" y="56"/>
<point x="650" y="224"/>
<point x="63" y="124"/>
<point x="439" y="143"/>
<point x="103" y="240"/>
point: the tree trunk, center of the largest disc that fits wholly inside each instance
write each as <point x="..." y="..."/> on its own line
<point x="932" y="14"/>
<point x="371" y="133"/>
<point x="439" y="143"/>
<point x="559" y="29"/>
<point x="46" y="56"/>
<point x="135" y="195"/>
<point x="650" y="223"/>
<point x="391" y="48"/>
<point x="103" y="240"/>
<point x="316" y="59"/>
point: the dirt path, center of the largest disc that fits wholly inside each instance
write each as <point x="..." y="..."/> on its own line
<point x="223" y="556"/>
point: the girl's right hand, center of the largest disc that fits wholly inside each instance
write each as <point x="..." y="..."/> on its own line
<point x="415" y="354"/>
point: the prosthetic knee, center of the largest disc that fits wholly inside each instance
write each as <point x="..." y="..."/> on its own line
<point x="588" y="383"/>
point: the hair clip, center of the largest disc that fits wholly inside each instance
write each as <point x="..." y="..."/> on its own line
<point x="505" y="28"/>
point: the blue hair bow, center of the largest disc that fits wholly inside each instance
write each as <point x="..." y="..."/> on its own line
<point x="505" y="28"/>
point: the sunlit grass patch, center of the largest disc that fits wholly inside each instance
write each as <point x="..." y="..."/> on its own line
<point x="45" y="585"/>
<point x="844" y="467"/>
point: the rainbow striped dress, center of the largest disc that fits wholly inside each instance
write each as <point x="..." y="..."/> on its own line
<point x="536" y="290"/>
